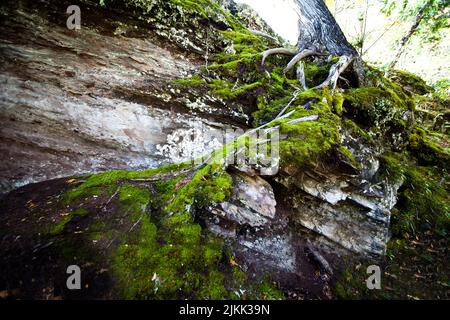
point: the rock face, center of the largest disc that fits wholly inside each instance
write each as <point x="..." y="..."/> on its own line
<point x="252" y="202"/>
<point x="101" y="98"/>
<point x="352" y="209"/>
<point x="266" y="240"/>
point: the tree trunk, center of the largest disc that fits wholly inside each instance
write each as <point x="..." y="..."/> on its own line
<point x="319" y="31"/>
<point x="320" y="34"/>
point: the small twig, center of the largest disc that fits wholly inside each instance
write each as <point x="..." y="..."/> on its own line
<point x="134" y="225"/>
<point x="381" y="36"/>
<point x="111" y="242"/>
<point x="304" y="119"/>
<point x="288" y="105"/>
<point x="145" y="180"/>
<point x="109" y="200"/>
<point x="235" y="84"/>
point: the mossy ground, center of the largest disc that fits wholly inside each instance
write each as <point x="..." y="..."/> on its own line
<point x="154" y="244"/>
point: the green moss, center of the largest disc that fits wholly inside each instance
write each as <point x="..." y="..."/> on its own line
<point x="227" y="90"/>
<point x="376" y="107"/>
<point x="96" y="184"/>
<point x="194" y="81"/>
<point x="351" y="284"/>
<point x="171" y="249"/>
<point x="423" y="198"/>
<point x="356" y="130"/>
<point x="310" y="142"/>
<point x="213" y="287"/>
<point x="410" y="82"/>
<point x="338" y="102"/>
<point x="209" y="184"/>
<point x="61" y="225"/>
<point x="348" y="156"/>
<point x="169" y="256"/>
<point x="427" y="151"/>
<point x="267" y="291"/>
<point x="162" y="263"/>
<point x="134" y="198"/>
<point x="244" y="42"/>
<point x="316" y="73"/>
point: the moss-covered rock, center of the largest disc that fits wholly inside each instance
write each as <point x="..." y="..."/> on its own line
<point x="427" y="151"/>
<point x="410" y="82"/>
<point x="376" y="107"/>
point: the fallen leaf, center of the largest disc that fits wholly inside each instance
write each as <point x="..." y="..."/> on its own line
<point x="233" y="263"/>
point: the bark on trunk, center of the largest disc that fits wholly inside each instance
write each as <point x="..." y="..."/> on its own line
<point x="318" y="30"/>
<point x="319" y="34"/>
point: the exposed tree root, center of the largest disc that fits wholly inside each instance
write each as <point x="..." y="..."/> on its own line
<point x="299" y="56"/>
<point x="270" y="52"/>
<point x="301" y="75"/>
<point x="335" y="72"/>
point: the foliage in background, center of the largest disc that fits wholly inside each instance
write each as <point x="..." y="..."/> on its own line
<point x="436" y="15"/>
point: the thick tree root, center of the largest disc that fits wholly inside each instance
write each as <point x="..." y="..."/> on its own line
<point x="301" y="75"/>
<point x="270" y="52"/>
<point x="335" y="72"/>
<point x="298" y="57"/>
